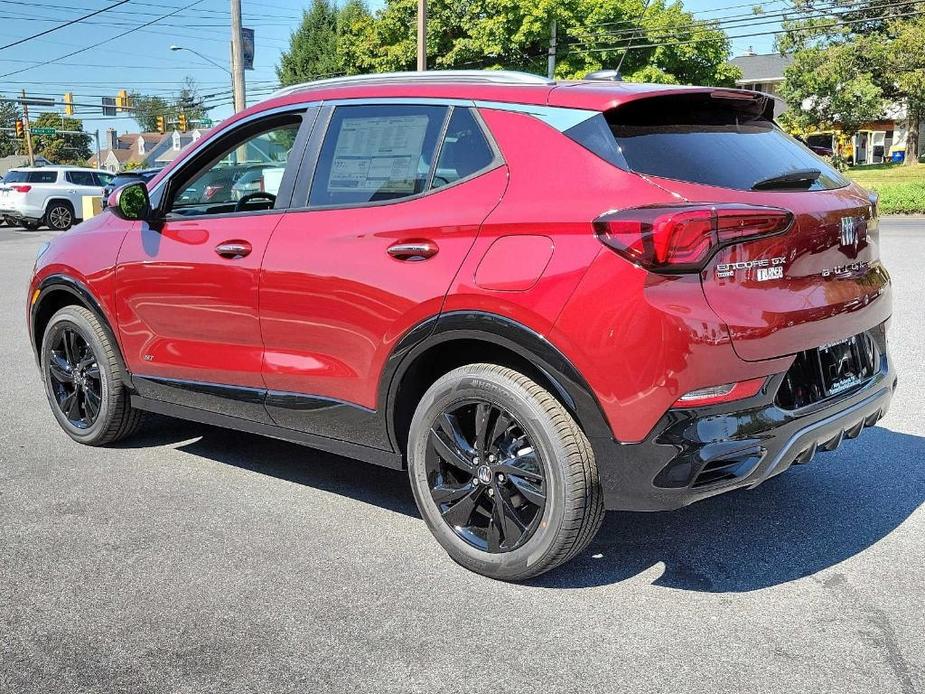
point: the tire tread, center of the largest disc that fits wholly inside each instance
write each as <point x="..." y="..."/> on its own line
<point x="124" y="419"/>
<point x="584" y="502"/>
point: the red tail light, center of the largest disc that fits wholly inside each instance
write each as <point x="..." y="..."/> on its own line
<point x="21" y="189"/>
<point x="682" y="238"/>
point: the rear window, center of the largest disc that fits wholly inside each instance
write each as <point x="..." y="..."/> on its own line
<point x="122" y="179"/>
<point x="31" y="177"/>
<point x="699" y="138"/>
<point x="80" y="178"/>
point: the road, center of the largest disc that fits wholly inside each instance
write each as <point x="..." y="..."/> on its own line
<point x="194" y="559"/>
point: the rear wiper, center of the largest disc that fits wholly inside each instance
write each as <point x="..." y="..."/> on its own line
<point x="801" y="178"/>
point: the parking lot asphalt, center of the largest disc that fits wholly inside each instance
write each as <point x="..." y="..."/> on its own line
<point x="193" y="559"/>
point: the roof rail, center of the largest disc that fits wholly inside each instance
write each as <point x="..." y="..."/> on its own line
<point x="476" y="76"/>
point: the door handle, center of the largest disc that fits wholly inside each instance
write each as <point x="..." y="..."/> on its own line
<point x="233" y="249"/>
<point x="413" y="250"/>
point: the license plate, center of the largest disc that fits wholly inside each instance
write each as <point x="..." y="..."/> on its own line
<point x="844" y="364"/>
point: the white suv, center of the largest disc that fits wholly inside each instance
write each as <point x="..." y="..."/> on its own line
<point x="51" y="195"/>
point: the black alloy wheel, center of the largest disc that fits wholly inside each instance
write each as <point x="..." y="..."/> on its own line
<point x="74" y="374"/>
<point x="502" y="474"/>
<point x="485" y="476"/>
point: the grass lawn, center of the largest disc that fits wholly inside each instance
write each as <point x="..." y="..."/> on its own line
<point x="901" y="188"/>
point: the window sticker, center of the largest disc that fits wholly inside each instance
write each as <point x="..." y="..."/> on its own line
<point x="378" y="154"/>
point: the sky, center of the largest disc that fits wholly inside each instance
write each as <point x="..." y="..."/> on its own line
<point x="142" y="60"/>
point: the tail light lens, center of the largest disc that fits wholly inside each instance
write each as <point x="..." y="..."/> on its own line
<point x="682" y="238"/>
<point x="22" y="189"/>
<point x="715" y="395"/>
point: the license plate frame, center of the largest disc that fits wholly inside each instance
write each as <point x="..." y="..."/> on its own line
<point x="844" y="365"/>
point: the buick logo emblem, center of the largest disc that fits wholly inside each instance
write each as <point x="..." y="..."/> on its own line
<point x="849" y="233"/>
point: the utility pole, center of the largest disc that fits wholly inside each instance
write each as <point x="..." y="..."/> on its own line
<point x="237" y="57"/>
<point x="422" y="35"/>
<point x="551" y="62"/>
<point x="99" y="164"/>
<point x="27" y="131"/>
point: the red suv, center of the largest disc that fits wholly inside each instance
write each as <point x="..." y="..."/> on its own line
<point x="543" y="298"/>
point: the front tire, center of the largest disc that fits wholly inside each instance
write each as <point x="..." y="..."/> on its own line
<point x="81" y="368"/>
<point x="502" y="474"/>
<point x="59" y="216"/>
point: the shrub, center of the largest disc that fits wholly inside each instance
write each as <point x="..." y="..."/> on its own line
<point x="902" y="198"/>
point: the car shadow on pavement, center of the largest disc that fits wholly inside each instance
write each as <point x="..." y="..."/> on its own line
<point x="371" y="484"/>
<point x="808" y="519"/>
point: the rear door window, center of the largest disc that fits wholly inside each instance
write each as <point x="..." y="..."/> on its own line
<point x="376" y="153"/>
<point x="31" y="177"/>
<point x="464" y="152"/>
<point x="80" y="178"/>
<point x="699" y="138"/>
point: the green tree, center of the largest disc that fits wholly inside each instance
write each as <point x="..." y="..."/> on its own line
<point x="61" y="148"/>
<point x="826" y="87"/>
<point x="188" y="101"/>
<point x="312" y="47"/>
<point x="147" y="109"/>
<point x="9" y="114"/>
<point x="661" y="41"/>
<point x="870" y="54"/>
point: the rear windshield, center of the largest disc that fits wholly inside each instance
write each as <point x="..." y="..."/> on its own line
<point x="31" y="177"/>
<point x="699" y="138"/>
<point x="122" y="179"/>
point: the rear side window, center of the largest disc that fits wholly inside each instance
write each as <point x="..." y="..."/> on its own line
<point x="31" y="177"/>
<point x="699" y="138"/>
<point x="80" y="178"/>
<point x="122" y="179"/>
<point x="465" y="150"/>
<point x="102" y="179"/>
<point x="376" y="154"/>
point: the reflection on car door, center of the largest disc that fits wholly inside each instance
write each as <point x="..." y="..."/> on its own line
<point x="186" y="293"/>
<point x="372" y="256"/>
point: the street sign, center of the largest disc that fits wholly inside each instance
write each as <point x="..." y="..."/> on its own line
<point x="36" y="101"/>
<point x="247" y="43"/>
<point x="43" y="131"/>
<point x="205" y="122"/>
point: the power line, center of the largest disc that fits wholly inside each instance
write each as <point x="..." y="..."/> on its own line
<point x="62" y="26"/>
<point x="100" y="43"/>
<point x="205" y="12"/>
<point x="739" y="36"/>
<point x="826" y="10"/>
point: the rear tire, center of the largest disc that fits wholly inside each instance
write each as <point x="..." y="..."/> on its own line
<point x="82" y="370"/>
<point x="519" y="498"/>
<point x="59" y="216"/>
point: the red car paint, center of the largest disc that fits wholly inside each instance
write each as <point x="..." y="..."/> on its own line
<point x="318" y="304"/>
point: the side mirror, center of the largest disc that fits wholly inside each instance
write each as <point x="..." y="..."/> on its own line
<point x="130" y="202"/>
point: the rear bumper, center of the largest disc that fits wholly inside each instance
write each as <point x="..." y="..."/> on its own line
<point x="693" y="454"/>
<point x="22" y="212"/>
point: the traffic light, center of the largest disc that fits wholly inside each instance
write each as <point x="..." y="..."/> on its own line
<point x="68" y="104"/>
<point x="122" y="100"/>
<point x="20" y="130"/>
<point x="160" y="124"/>
<point x="182" y="123"/>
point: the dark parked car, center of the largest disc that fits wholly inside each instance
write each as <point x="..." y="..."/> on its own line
<point x="542" y="299"/>
<point x="120" y="179"/>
